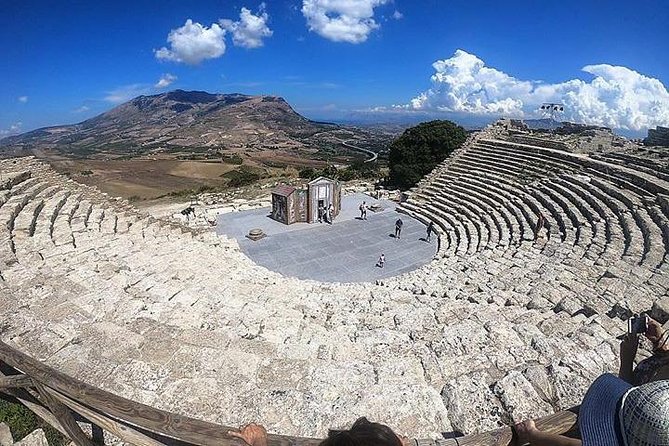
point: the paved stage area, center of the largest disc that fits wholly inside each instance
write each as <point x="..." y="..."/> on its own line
<point x="346" y="251"/>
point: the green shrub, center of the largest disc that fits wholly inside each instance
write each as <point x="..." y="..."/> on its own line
<point x="22" y="421"/>
<point x="243" y="176"/>
<point x="232" y="159"/>
<point x="308" y="173"/>
<point x="419" y="149"/>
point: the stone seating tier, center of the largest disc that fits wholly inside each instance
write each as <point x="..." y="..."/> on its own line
<point x="649" y="166"/>
<point x="487" y="331"/>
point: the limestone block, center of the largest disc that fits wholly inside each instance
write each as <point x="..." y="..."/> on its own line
<point x="472" y="406"/>
<point x="569" y="385"/>
<point x="569" y="305"/>
<point x="35" y="438"/>
<point x="538" y="377"/>
<point x="519" y="397"/>
<point x="6" y="438"/>
<point x="465" y="337"/>
<point x="660" y="310"/>
<point x="539" y="303"/>
<point x="283" y="374"/>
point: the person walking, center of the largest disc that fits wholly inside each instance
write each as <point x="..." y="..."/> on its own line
<point x="541" y="221"/>
<point x="398" y="228"/>
<point x="330" y="213"/>
<point x="363" y="211"/>
<point x="430" y="229"/>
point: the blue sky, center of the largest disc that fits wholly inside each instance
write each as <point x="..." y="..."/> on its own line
<point x="66" y="61"/>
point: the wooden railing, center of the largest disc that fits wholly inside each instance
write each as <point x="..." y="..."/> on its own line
<point x="62" y="401"/>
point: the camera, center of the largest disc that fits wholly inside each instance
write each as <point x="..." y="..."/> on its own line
<point x="637" y="324"/>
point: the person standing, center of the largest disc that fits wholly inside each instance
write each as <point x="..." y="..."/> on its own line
<point x="541" y="221"/>
<point x="330" y="213"/>
<point x="398" y="228"/>
<point x="430" y="229"/>
<point x="321" y="212"/>
<point x="363" y="211"/>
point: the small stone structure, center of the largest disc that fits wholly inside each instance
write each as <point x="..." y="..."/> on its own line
<point x="657" y="137"/>
<point x="289" y="204"/>
<point x="292" y="205"/>
<point x="256" y="234"/>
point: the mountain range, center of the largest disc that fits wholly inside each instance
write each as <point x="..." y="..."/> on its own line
<point x="176" y="121"/>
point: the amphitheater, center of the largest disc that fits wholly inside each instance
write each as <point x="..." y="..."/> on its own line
<point x="498" y="327"/>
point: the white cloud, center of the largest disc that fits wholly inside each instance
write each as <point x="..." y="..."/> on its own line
<point x="165" y="80"/>
<point x="82" y="109"/>
<point x="12" y="130"/>
<point x="341" y="20"/>
<point x="193" y="43"/>
<point x="126" y="92"/>
<point x="23" y="99"/>
<point x="250" y="30"/>
<point x="616" y="97"/>
<point x="397" y="15"/>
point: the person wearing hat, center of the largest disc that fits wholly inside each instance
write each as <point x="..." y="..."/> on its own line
<point x="633" y="406"/>
<point x="653" y="368"/>
<point x="613" y="413"/>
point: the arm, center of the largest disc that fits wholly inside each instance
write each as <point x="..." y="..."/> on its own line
<point x="527" y="432"/>
<point x="628" y="349"/>
<point x="657" y="335"/>
<point x="545" y="439"/>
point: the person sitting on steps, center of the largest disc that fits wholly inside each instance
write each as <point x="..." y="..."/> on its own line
<point x="363" y="432"/>
<point x="654" y="369"/>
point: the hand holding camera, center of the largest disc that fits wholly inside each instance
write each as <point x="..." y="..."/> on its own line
<point x="637" y="325"/>
<point x="642" y="324"/>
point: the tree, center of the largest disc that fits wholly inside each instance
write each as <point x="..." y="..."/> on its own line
<point x="419" y="149"/>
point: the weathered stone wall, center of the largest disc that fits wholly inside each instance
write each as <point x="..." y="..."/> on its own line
<point x="657" y="137"/>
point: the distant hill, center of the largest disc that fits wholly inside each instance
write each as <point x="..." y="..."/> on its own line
<point x="172" y="122"/>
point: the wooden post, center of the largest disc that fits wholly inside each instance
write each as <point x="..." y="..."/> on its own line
<point x="14" y="381"/>
<point x="23" y="397"/>
<point x="125" y="433"/>
<point x="64" y="417"/>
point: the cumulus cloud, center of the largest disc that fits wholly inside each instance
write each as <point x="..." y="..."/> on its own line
<point x="616" y="96"/>
<point x="397" y="15"/>
<point x="193" y="43"/>
<point x="165" y="80"/>
<point x="342" y="20"/>
<point x="250" y="30"/>
<point x="23" y="99"/>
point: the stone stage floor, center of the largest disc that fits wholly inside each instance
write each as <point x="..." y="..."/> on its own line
<point x="346" y="251"/>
